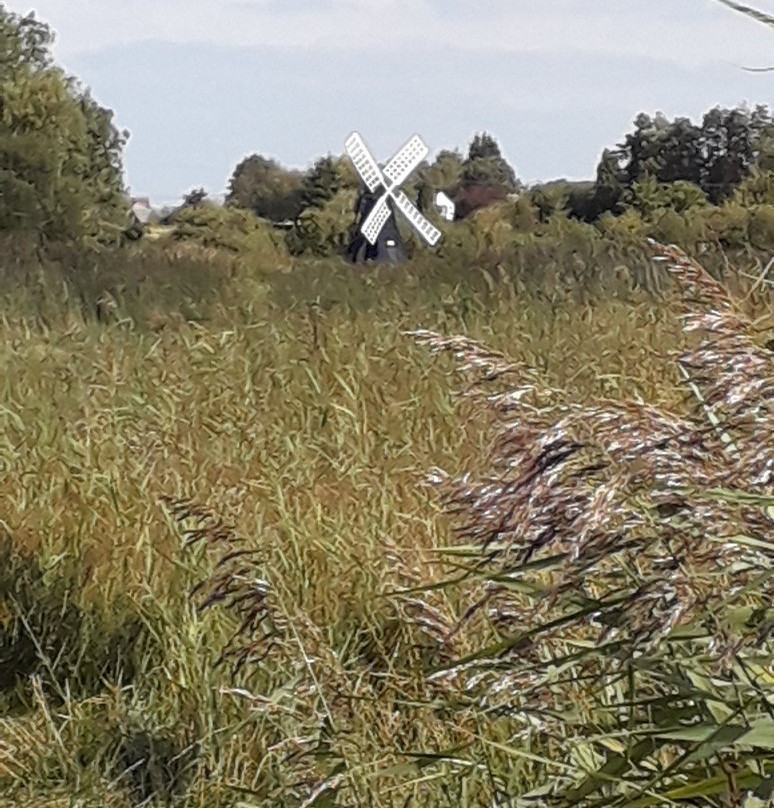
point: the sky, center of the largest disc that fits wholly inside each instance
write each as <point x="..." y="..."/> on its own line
<point x="200" y="84"/>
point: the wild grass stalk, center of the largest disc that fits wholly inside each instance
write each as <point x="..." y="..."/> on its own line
<point x="627" y="606"/>
<point x="272" y="458"/>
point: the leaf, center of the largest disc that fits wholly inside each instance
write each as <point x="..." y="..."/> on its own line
<point x="613" y="768"/>
<point x="718" y="784"/>
<point x="759" y="733"/>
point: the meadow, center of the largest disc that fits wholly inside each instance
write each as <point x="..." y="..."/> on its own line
<point x="228" y="578"/>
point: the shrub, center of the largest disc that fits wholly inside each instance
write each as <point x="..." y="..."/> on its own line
<point x="727" y="225"/>
<point x="619" y="562"/>
<point x="232" y="229"/>
<point x="325" y="230"/>
<point x="761" y="228"/>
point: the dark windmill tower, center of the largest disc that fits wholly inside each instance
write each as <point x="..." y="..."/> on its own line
<point x="376" y="236"/>
<point x="389" y="247"/>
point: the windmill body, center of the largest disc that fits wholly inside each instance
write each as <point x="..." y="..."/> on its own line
<point x="389" y="247"/>
<point x="377" y="237"/>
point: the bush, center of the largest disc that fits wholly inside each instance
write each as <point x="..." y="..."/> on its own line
<point x="325" y="230"/>
<point x="727" y="225"/>
<point x="232" y="229"/>
<point x="756" y="190"/>
<point x="651" y="198"/>
<point x="761" y="227"/>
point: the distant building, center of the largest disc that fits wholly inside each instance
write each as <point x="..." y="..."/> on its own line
<point x="475" y="197"/>
<point x="445" y="206"/>
<point x="141" y="209"/>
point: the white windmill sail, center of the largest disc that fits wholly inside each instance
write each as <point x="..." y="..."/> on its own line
<point x="429" y="232"/>
<point x="408" y="157"/>
<point x="364" y="164"/>
<point x="406" y="160"/>
<point x="376" y="219"/>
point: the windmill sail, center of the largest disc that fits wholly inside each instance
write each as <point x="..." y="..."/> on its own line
<point x="375" y="220"/>
<point x="364" y="164"/>
<point x="405" y="161"/>
<point x="388" y="182"/>
<point x="429" y="232"/>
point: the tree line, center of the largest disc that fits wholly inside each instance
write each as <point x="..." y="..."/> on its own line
<point x="61" y="173"/>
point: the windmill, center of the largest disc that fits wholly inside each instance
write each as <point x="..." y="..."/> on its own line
<point x="377" y="237"/>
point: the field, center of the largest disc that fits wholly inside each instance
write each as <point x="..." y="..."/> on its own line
<point x="226" y="581"/>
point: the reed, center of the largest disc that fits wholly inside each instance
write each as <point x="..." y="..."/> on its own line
<point x="224" y="581"/>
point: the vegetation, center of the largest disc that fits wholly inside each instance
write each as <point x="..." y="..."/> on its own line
<point x="257" y="549"/>
<point x="265" y="188"/>
<point x="284" y="425"/>
<point x="701" y="186"/>
<point x="60" y="154"/>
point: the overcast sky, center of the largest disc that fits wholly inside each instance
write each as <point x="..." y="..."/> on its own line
<point x="202" y="83"/>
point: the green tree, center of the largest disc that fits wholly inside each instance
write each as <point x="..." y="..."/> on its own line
<point x="651" y="198"/>
<point x="732" y="141"/>
<point x="231" y="229"/>
<point x="484" y="147"/>
<point x="485" y="166"/>
<point x="61" y="175"/>
<point x="346" y="173"/>
<point x="443" y="174"/>
<point x="757" y="189"/>
<point x="550" y="199"/>
<point x="321" y="183"/>
<point x="263" y="186"/>
<point x="324" y="229"/>
<point x="715" y="156"/>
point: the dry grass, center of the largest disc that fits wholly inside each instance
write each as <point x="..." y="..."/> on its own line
<point x="230" y="586"/>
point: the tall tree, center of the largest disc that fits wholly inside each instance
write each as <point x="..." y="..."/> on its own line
<point x="61" y="174"/>
<point x="731" y="146"/>
<point x="715" y="156"/>
<point x="263" y="186"/>
<point x="486" y="166"/>
<point x="321" y="183"/>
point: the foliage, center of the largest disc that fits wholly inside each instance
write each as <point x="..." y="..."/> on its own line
<point x="321" y="183"/>
<point x="229" y="229"/>
<point x="60" y="154"/>
<point x="325" y="229"/>
<point x="266" y="188"/>
<point x="551" y="198"/>
<point x="761" y="227"/>
<point x="148" y="284"/>
<point x="728" y="225"/>
<point x="757" y="189"/>
<point x="651" y="198"/>
<point x="626" y="635"/>
<point x="476" y="196"/>
<point x="443" y="174"/>
<point x="263" y="437"/>
<point x="486" y="167"/>
<point x="716" y="155"/>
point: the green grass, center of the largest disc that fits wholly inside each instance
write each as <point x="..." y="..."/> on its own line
<point x="303" y="423"/>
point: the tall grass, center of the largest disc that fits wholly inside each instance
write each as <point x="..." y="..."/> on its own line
<point x="225" y="584"/>
<point x="619" y="558"/>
